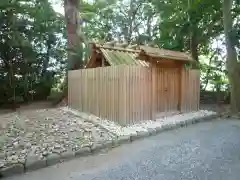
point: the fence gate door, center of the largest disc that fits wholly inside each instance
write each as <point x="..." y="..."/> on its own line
<point x="172" y="88"/>
<point x="167" y="89"/>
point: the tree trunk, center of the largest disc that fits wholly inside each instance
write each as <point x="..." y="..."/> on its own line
<point x="12" y="85"/>
<point x="75" y="38"/>
<point x="26" y="88"/>
<point x="73" y="21"/>
<point x="233" y="66"/>
<point x="193" y="34"/>
<point x="194" y="44"/>
<point x="149" y="29"/>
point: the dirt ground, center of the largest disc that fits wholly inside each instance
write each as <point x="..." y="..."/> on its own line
<point x="216" y="108"/>
<point x="26" y="107"/>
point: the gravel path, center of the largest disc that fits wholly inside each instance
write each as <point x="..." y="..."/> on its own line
<point x="204" y="151"/>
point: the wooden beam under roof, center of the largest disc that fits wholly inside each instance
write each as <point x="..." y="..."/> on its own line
<point x="118" y="49"/>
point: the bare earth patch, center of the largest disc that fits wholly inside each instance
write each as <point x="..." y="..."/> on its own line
<point x="40" y="133"/>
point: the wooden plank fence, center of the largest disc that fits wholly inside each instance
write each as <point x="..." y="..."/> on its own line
<point x="124" y="94"/>
<point x="190" y="90"/>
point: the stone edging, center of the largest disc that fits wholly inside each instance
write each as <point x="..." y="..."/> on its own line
<point x="52" y="159"/>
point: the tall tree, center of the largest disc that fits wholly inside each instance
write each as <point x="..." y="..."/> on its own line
<point x="31" y="49"/>
<point x="133" y="21"/>
<point x="233" y="66"/>
<point x="75" y="38"/>
<point x="184" y="21"/>
<point x="74" y="33"/>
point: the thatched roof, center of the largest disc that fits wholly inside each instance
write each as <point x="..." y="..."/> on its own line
<point x="163" y="53"/>
<point x="117" y="54"/>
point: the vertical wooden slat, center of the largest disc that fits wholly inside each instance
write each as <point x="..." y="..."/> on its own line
<point x="186" y="90"/>
<point x="143" y="95"/>
<point x="154" y="88"/>
<point x="109" y="94"/>
<point x="190" y="91"/>
<point x="180" y="88"/>
<point x="194" y="92"/>
<point x="70" y="79"/>
<point x="97" y="91"/>
<point x="80" y="85"/>
<point x="100" y="79"/>
<point x="198" y="88"/>
<point x="110" y="91"/>
<point x="146" y="97"/>
<point x="162" y="99"/>
<point x="138" y="94"/>
<point x="106" y="93"/>
<point x="88" y="85"/>
<point x="89" y="90"/>
<point x="84" y="90"/>
<point x="149" y="93"/>
<point x="128" y="94"/>
<point x="134" y="89"/>
<point x="104" y="102"/>
<point x="125" y="105"/>
<point x="114" y="93"/>
<point x="131" y="84"/>
<point x="159" y="89"/>
<point x="118" y="92"/>
<point x="132" y="94"/>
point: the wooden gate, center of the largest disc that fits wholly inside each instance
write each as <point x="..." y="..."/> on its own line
<point x="167" y="89"/>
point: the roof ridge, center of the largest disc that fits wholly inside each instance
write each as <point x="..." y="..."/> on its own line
<point x="146" y="49"/>
<point x="118" y="49"/>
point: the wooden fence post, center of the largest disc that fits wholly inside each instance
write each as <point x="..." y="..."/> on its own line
<point x="180" y="94"/>
<point x="153" y="99"/>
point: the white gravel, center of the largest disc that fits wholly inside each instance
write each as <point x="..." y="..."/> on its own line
<point x="43" y="132"/>
<point x="142" y="126"/>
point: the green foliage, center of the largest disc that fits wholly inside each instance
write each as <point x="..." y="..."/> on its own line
<point x="169" y="24"/>
<point x="130" y="21"/>
<point x="181" y="17"/>
<point x="32" y="49"/>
